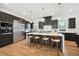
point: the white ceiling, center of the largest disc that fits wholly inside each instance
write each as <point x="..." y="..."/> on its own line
<point x="24" y="9"/>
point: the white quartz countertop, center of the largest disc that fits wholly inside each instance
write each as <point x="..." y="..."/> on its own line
<point x="50" y="34"/>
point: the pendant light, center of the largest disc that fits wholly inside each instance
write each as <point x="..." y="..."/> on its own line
<point x="59" y="10"/>
<point x="31" y="14"/>
<point x="42" y="12"/>
<point x="42" y="15"/>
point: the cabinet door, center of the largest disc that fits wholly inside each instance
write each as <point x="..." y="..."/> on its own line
<point x="10" y="38"/>
<point x="5" y="40"/>
<point x="2" y="40"/>
<point x="70" y="36"/>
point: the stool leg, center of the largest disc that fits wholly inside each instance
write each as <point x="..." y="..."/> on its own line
<point x="57" y="49"/>
<point x="51" y="46"/>
<point x="36" y="43"/>
<point x="41" y="42"/>
<point x="33" y="40"/>
<point x="59" y="46"/>
<point x="46" y="47"/>
<point x="29" y="42"/>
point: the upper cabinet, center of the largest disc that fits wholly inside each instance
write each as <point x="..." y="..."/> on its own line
<point x="72" y="23"/>
<point x="54" y="24"/>
<point x="5" y="17"/>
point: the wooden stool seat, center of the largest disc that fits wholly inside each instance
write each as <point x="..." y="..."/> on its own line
<point x="36" y="37"/>
<point x="45" y="38"/>
<point x="55" y="40"/>
<point x="30" y="36"/>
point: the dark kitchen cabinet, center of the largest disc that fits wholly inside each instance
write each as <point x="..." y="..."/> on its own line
<point x="41" y="24"/>
<point x="6" y="27"/>
<point x="70" y="36"/>
<point x="77" y="40"/>
<point x="54" y="24"/>
<point x="5" y="17"/>
<point x="6" y="39"/>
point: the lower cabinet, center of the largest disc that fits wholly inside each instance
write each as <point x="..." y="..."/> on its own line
<point x="6" y="40"/>
<point x="70" y="36"/>
<point x="77" y="40"/>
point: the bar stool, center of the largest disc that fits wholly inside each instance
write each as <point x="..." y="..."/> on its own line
<point x="46" y="42"/>
<point x="57" y="41"/>
<point x="36" y="39"/>
<point x="30" y="37"/>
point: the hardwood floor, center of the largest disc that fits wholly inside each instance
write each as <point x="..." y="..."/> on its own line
<point x="22" y="49"/>
<point x="71" y="48"/>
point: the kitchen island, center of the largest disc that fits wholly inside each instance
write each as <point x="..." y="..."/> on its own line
<point x="48" y="34"/>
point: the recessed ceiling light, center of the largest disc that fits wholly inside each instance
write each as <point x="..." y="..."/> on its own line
<point x="24" y="12"/>
<point x="70" y="10"/>
<point x="59" y="17"/>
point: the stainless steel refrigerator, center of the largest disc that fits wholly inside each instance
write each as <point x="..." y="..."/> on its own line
<point x="18" y="30"/>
